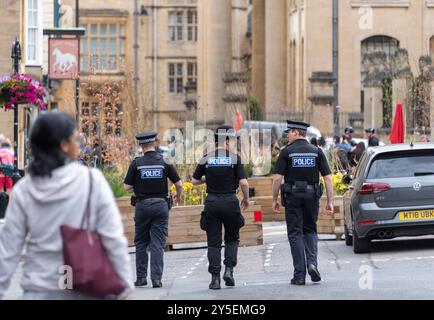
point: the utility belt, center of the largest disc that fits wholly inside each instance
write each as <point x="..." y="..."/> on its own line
<point x="135" y="200"/>
<point x="300" y="187"/>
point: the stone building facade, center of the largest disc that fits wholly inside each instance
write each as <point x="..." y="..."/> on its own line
<point x="11" y="30"/>
<point x="293" y="52"/>
<point x="163" y="45"/>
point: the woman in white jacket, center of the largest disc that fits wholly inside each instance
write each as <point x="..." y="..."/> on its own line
<point x="55" y="194"/>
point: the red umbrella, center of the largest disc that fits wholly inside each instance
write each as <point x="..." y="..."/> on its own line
<point x="397" y="135"/>
<point x="239" y="121"/>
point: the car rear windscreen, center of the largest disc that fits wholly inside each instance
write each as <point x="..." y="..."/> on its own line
<point x="402" y="164"/>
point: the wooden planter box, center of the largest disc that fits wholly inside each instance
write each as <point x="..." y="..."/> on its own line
<point x="262" y="185"/>
<point x="184" y="225"/>
<point x="332" y="224"/>
<point x="326" y="224"/>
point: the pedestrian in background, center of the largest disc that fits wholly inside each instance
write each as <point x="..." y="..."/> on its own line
<point x="372" y="139"/>
<point x="6" y="164"/>
<point x="322" y="143"/>
<point x="357" y="153"/>
<point x="54" y="194"/>
<point x="342" y="149"/>
<point x="314" y="141"/>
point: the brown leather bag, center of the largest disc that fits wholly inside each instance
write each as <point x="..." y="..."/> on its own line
<point x="83" y="251"/>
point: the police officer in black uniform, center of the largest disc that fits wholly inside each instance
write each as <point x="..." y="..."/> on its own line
<point x="147" y="176"/>
<point x="223" y="173"/>
<point x="373" y="140"/>
<point x="300" y="164"/>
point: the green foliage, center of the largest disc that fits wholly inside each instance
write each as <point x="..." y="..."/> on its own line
<point x="254" y="107"/>
<point x="116" y="182"/>
<point x="387" y="103"/>
<point x="273" y="163"/>
<point x="248" y="168"/>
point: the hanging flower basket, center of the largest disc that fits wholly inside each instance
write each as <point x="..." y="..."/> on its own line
<point x="21" y="89"/>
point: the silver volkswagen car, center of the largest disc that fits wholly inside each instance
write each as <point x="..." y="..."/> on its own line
<point x="391" y="195"/>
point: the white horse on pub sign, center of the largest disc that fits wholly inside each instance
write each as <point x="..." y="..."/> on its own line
<point x="64" y="62"/>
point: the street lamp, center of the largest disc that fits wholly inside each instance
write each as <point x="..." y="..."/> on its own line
<point x="16" y="57"/>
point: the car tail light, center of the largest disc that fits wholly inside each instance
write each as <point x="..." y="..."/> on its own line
<point x="371" y="188"/>
<point x="366" y="223"/>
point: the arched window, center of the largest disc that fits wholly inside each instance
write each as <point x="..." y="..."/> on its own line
<point x="384" y="44"/>
<point x="389" y="46"/>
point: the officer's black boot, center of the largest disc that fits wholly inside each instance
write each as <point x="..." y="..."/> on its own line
<point x="314" y="273"/>
<point x="228" y="277"/>
<point x="215" y="282"/>
<point x="157" y="284"/>
<point x="214" y="258"/>
<point x="231" y="252"/>
<point x="140" y="282"/>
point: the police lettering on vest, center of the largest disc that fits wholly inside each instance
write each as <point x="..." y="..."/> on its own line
<point x="151" y="172"/>
<point x="220" y="161"/>
<point x="148" y="175"/>
<point x="303" y="161"/>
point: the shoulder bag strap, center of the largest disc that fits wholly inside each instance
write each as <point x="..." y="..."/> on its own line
<point x="86" y="217"/>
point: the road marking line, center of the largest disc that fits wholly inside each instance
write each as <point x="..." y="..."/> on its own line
<point x="381" y="260"/>
<point x="403" y="259"/>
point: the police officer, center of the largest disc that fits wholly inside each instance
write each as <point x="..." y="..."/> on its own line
<point x="373" y="140"/>
<point x="300" y="164"/>
<point x="223" y="173"/>
<point x="147" y="176"/>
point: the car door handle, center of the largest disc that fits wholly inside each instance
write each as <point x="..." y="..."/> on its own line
<point x="351" y="188"/>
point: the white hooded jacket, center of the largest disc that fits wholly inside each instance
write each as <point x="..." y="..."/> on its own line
<point x="39" y="207"/>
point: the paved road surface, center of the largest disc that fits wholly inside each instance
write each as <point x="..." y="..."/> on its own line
<point x="399" y="269"/>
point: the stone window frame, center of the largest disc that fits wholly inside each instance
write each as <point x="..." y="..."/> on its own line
<point x="176" y="26"/>
<point x="176" y="77"/>
<point x="34" y="8"/>
<point x="107" y="61"/>
<point x="191" y="71"/>
<point x="381" y="3"/>
<point x="192" y="25"/>
<point x="183" y="25"/>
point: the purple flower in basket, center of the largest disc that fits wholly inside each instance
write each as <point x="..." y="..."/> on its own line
<point x="4" y="78"/>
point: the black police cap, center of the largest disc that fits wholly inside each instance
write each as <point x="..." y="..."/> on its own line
<point x="296" y="125"/>
<point x="146" y="137"/>
<point x="349" y="130"/>
<point x="370" y="130"/>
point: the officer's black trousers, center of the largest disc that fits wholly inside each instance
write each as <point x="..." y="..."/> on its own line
<point x="222" y="210"/>
<point x="301" y="218"/>
<point x="152" y="219"/>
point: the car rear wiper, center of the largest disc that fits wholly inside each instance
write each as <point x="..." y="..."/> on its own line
<point x="419" y="174"/>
